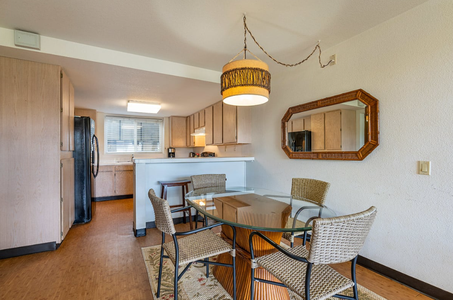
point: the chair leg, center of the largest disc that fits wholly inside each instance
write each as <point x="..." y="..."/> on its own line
<point x="207" y="268"/>
<point x="175" y="288"/>
<point x="234" y="277"/>
<point x="354" y="277"/>
<point x="159" y="280"/>
<point x="196" y="220"/>
<point x="307" y="281"/>
<point x="305" y="238"/>
<point x="252" y="285"/>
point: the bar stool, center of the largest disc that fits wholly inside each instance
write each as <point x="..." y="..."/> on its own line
<point x="185" y="189"/>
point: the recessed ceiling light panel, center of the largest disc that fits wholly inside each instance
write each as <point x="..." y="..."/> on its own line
<point x="143" y="107"/>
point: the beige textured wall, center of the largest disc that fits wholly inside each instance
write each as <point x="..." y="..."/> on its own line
<point x="407" y="64"/>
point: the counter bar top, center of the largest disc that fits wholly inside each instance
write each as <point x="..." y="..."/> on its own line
<point x="191" y="160"/>
<point x="148" y="173"/>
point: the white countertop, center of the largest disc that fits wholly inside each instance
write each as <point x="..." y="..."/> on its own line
<point x="191" y="160"/>
<point x="126" y="163"/>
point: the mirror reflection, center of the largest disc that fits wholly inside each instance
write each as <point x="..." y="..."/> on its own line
<point x="340" y="127"/>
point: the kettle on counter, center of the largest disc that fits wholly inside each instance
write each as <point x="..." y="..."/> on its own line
<point x="192" y="154"/>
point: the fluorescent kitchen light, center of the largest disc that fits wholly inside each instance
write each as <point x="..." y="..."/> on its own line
<point x="142" y="107"/>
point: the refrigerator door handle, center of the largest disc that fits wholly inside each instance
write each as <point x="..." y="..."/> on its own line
<point x="95" y="140"/>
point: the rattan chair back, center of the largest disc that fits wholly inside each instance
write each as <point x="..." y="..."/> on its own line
<point x="309" y="189"/>
<point x="162" y="213"/>
<point x="339" y="239"/>
<point x="208" y="181"/>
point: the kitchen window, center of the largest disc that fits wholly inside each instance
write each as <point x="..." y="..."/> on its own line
<point x="129" y="135"/>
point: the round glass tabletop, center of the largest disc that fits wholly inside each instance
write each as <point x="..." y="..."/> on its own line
<point x="255" y="208"/>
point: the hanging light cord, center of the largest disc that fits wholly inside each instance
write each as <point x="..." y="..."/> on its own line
<point x="317" y="47"/>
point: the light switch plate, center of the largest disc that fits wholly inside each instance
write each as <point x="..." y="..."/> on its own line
<point x="424" y="167"/>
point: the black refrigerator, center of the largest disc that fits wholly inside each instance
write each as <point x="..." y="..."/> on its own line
<point x="300" y="141"/>
<point x="86" y="163"/>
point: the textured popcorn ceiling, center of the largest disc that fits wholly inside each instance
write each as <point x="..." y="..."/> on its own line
<point x="202" y="34"/>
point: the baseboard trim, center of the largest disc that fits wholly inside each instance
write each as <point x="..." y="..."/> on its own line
<point x="411" y="282"/>
<point x="31" y="249"/>
<point x="99" y="199"/>
<point x="142" y="231"/>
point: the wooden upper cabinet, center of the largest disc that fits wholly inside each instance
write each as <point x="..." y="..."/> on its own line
<point x="201" y="118"/>
<point x="71" y="117"/>
<point x="317" y="131"/>
<point x="340" y="130"/>
<point x="208" y="125"/>
<point x="236" y="124"/>
<point x="333" y="130"/>
<point x="66" y="113"/>
<point x="218" y="123"/>
<point x="244" y="125"/>
<point x="229" y="124"/>
<point x="297" y="125"/>
<point x="178" y="131"/>
<point x="190" y="129"/>
<point x="196" y="121"/>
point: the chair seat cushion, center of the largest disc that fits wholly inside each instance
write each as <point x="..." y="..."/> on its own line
<point x="197" y="246"/>
<point x="324" y="281"/>
<point x="289" y="224"/>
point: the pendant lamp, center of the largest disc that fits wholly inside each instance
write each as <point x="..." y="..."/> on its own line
<point x="247" y="82"/>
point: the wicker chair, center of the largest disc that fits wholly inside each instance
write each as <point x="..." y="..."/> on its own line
<point x="198" y="246"/>
<point x="306" y="273"/>
<point x="309" y="190"/>
<point x="207" y="182"/>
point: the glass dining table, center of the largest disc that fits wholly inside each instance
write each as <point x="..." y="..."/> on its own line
<point x="252" y="209"/>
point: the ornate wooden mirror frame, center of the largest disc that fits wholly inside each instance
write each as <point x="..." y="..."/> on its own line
<point x="371" y="126"/>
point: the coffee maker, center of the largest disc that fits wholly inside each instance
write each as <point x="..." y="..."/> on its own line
<point x="171" y="152"/>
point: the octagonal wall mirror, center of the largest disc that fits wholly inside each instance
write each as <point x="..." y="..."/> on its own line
<point x="341" y="127"/>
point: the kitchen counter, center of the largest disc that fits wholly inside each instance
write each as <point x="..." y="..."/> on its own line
<point x="191" y="160"/>
<point x="149" y="172"/>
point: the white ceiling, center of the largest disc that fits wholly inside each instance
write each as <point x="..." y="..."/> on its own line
<point x="200" y="33"/>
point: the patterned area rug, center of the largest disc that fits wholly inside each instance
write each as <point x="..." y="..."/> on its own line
<point x="195" y="286"/>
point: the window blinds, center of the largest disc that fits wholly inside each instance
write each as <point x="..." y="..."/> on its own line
<point x="124" y="134"/>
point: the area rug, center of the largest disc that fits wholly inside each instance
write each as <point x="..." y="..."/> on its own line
<point x="195" y="286"/>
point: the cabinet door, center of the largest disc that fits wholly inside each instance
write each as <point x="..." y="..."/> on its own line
<point x="317" y="131"/>
<point x="124" y="182"/>
<point x="71" y="117"/>
<point x="64" y="112"/>
<point x="244" y="125"/>
<point x="191" y="130"/>
<point x="229" y="123"/>
<point x="307" y="123"/>
<point x="208" y="125"/>
<point x="218" y="123"/>
<point x="349" y="133"/>
<point x="67" y="195"/>
<point x="177" y="131"/>
<point x="297" y="125"/>
<point x="105" y="182"/>
<point x="201" y="118"/>
<point x="333" y="130"/>
<point x="188" y="136"/>
<point x="196" y="120"/>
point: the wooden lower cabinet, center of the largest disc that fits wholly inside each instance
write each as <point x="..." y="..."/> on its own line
<point x="124" y="180"/>
<point x="66" y="195"/>
<point x="114" y="181"/>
